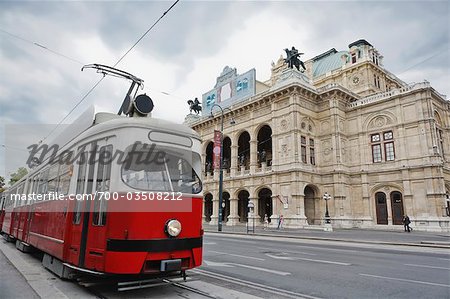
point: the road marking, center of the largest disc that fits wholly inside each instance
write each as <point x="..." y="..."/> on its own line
<point x="233" y="240"/>
<point x="287" y="258"/>
<point x="253" y="285"/>
<point x="264" y="269"/>
<point x="441" y="258"/>
<point x="237" y="255"/>
<point x="286" y="251"/>
<point x="305" y="259"/>
<point x="218" y="264"/>
<point x="426" y="266"/>
<point x="209" y="243"/>
<point x="315" y="248"/>
<point x="323" y="261"/>
<point x="407" y="280"/>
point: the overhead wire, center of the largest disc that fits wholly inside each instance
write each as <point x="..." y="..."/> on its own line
<point x="118" y="61"/>
<point x="40" y="46"/>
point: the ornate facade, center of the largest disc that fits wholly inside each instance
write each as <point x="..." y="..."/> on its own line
<point x="348" y="127"/>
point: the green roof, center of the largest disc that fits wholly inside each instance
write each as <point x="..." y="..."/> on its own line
<point x="329" y="61"/>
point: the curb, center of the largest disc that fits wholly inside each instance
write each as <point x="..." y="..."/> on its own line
<point x="428" y="244"/>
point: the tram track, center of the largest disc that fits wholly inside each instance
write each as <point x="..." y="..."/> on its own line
<point x="111" y="288"/>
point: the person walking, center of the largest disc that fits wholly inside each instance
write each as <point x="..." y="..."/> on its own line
<point x="280" y="222"/>
<point x="406" y="223"/>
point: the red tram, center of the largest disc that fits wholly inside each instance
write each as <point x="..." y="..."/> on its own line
<point x="121" y="233"/>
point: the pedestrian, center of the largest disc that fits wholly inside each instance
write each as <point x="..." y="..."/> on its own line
<point x="266" y="221"/>
<point x="280" y="222"/>
<point x="406" y="223"/>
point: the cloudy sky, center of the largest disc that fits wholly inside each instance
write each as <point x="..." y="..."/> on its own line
<point x="182" y="56"/>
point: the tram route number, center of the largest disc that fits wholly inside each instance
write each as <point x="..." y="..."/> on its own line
<point x="139" y="195"/>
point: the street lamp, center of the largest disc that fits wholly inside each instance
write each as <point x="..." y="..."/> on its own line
<point x="219" y="222"/>
<point x="327" y="197"/>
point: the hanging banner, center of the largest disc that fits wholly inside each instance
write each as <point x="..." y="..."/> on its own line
<point x="216" y="149"/>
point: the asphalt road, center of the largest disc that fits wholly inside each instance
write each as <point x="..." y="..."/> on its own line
<point x="12" y="283"/>
<point x="272" y="268"/>
<point x="244" y="267"/>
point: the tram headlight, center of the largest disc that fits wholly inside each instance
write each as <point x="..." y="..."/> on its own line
<point x="173" y="227"/>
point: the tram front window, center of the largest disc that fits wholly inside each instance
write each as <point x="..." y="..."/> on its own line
<point x="162" y="170"/>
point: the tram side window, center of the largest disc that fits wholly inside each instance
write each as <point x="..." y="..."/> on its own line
<point x="43" y="182"/>
<point x="64" y="178"/>
<point x="34" y="190"/>
<point x="81" y="181"/>
<point x="102" y="184"/>
<point x="53" y="178"/>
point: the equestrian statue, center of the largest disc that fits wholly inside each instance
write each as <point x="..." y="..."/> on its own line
<point x="293" y="59"/>
<point x="194" y="105"/>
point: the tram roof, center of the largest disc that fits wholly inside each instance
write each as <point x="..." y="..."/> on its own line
<point x="90" y="123"/>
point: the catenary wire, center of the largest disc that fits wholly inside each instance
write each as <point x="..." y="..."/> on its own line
<point x="40" y="46"/>
<point x="118" y="61"/>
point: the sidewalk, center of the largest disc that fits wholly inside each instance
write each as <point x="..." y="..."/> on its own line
<point x="397" y="237"/>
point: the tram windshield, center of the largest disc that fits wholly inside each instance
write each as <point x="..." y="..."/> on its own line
<point x="162" y="169"/>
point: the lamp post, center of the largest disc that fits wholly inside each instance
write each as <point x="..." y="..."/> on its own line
<point x="327" y="197"/>
<point x="219" y="222"/>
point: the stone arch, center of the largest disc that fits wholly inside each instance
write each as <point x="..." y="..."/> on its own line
<point x="264" y="145"/>
<point x="376" y="121"/>
<point x="311" y="193"/>
<point x="243" y="197"/>
<point x="264" y="203"/>
<point x="307" y="125"/>
<point x="438" y="119"/>
<point x="388" y="188"/>
<point x="208" y="151"/>
<point x="208" y="206"/>
<point x="226" y="145"/>
<point x="243" y="144"/>
<point x="226" y="196"/>
<point x="383" y="200"/>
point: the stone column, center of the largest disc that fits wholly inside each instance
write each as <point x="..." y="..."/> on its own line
<point x="253" y="155"/>
<point x="233" y="219"/>
<point x="215" y="213"/>
<point x="297" y="219"/>
<point x="234" y="160"/>
<point x="203" y="159"/>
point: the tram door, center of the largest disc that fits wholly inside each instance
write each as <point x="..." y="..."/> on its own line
<point x="79" y="208"/>
<point x="96" y="237"/>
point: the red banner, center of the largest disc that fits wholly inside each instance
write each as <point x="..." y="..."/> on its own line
<point x="216" y="149"/>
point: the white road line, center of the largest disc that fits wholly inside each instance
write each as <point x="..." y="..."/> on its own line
<point x="253" y="285"/>
<point x="407" y="280"/>
<point x="209" y="243"/>
<point x="426" y="266"/>
<point x="261" y="269"/>
<point x="441" y="258"/>
<point x="323" y="261"/>
<point x="287" y="251"/>
<point x="234" y="240"/>
<point x="237" y="255"/>
<point x="226" y="264"/>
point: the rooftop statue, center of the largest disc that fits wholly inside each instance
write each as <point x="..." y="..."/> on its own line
<point x="293" y="59"/>
<point x="194" y="105"/>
